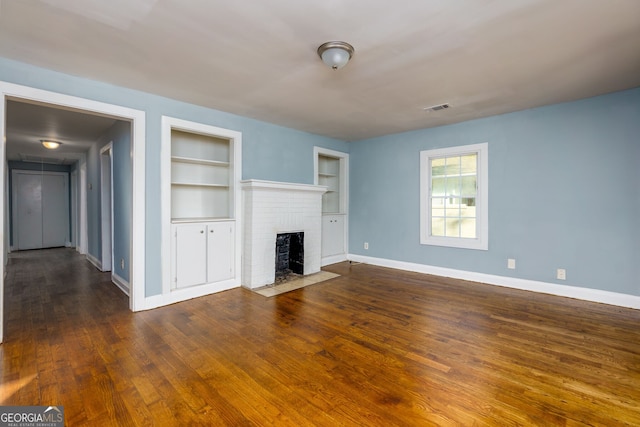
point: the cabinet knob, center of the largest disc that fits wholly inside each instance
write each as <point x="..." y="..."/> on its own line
<point x="211" y="231"/>
<point x="201" y="231"/>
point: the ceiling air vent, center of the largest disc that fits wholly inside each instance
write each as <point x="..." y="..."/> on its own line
<point x="437" y="107"/>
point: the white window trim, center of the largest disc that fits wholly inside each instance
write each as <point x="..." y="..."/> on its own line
<point x="481" y="242"/>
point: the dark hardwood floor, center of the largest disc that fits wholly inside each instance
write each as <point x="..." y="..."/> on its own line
<point x="376" y="347"/>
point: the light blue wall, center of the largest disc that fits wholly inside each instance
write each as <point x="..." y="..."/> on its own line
<point x="94" y="242"/>
<point x="269" y="152"/>
<point x="564" y="192"/>
<point x="120" y="135"/>
<point x="122" y="198"/>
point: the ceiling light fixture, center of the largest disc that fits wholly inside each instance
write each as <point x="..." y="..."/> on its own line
<point x="50" y="145"/>
<point x="335" y="54"/>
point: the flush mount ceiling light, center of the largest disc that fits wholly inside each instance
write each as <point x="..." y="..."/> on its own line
<point x="335" y="54"/>
<point x="50" y="145"/>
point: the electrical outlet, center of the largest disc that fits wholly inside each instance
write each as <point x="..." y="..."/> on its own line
<point x="511" y="264"/>
<point x="366" y="245"/>
<point x="122" y="263"/>
<point x="561" y="274"/>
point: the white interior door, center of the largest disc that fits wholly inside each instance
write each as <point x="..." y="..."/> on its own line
<point x="55" y="211"/>
<point x="27" y="218"/>
<point x="40" y="209"/>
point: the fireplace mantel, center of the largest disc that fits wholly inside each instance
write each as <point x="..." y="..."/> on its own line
<point x="250" y="184"/>
<point x="271" y="208"/>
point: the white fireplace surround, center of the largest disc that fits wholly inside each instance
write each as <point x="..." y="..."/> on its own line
<point x="271" y="208"/>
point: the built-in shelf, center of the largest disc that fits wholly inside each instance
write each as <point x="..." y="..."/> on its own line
<point x="201" y="173"/>
<point x="198" y="184"/>
<point x="195" y="161"/>
<point x="329" y="176"/>
<point x="332" y="171"/>
<point x="190" y="220"/>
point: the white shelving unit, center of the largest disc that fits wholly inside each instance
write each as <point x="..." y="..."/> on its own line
<point x="200" y="177"/>
<point x="332" y="170"/>
<point x="329" y="176"/>
<point x="201" y="206"/>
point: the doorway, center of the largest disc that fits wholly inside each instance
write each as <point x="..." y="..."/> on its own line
<point x="9" y="91"/>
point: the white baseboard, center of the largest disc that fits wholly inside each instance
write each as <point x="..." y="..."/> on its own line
<point x="95" y="261"/>
<point x="178" y="295"/>
<point x="587" y="294"/>
<point x="120" y="283"/>
<point x="333" y="259"/>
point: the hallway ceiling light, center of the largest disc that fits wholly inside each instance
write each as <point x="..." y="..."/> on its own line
<point x="51" y="145"/>
<point x="335" y="54"/>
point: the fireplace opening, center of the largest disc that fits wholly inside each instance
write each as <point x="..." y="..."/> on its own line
<point x="289" y="255"/>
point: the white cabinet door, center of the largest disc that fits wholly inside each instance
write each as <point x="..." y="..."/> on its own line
<point x="190" y="254"/>
<point x="333" y="235"/>
<point x="220" y="251"/>
<point x="203" y="253"/>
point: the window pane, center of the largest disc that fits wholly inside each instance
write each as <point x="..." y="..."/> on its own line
<point x="453" y="186"/>
<point x="453" y="227"/>
<point x="468" y="228"/>
<point x="438" y="186"/>
<point x="437" y="207"/>
<point x="469" y="164"/>
<point x="467" y="211"/>
<point x="452" y="207"/>
<point x="468" y="185"/>
<point x="437" y="167"/>
<point x="469" y="201"/>
<point x="453" y="165"/>
<point x="437" y="226"/>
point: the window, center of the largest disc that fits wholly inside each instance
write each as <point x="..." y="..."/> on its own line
<point x="454" y="196"/>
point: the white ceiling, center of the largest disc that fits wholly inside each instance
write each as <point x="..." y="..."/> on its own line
<point x="258" y="58"/>
<point x="28" y="123"/>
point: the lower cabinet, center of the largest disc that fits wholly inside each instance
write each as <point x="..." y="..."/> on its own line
<point x="202" y="252"/>
<point x="333" y="242"/>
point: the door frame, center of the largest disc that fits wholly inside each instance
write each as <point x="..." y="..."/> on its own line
<point x="138" y="182"/>
<point x="106" y="207"/>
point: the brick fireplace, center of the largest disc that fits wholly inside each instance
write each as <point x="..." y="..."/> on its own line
<point x="272" y="208"/>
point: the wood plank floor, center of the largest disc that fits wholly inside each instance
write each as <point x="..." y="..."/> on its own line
<point x="373" y="347"/>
